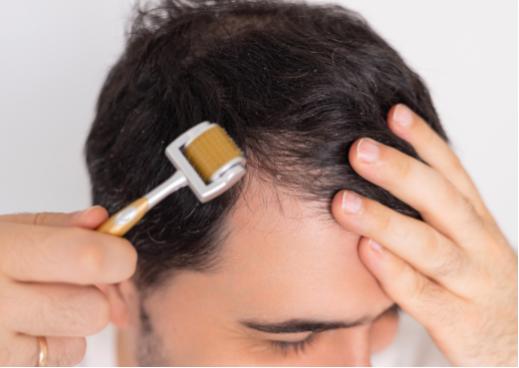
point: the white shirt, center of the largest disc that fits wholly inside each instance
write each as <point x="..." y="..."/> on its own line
<point x="412" y="346"/>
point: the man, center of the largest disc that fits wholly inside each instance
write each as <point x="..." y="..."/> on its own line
<point x="305" y="261"/>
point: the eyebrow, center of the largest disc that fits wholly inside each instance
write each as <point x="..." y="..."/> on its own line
<point x="308" y="325"/>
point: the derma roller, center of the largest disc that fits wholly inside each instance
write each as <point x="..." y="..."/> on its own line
<point x="206" y="159"/>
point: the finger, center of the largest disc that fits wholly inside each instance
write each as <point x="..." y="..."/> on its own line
<point x="422" y="187"/>
<point x="53" y="309"/>
<point x="89" y="218"/>
<point x="427" y="302"/>
<point x="435" y="151"/>
<point x="71" y="254"/>
<point x="412" y="240"/>
<point x="65" y="351"/>
<point x="23" y="350"/>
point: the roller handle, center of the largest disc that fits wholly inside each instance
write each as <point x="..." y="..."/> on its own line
<point x="122" y="221"/>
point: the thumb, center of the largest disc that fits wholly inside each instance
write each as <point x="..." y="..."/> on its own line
<point x="89" y="218"/>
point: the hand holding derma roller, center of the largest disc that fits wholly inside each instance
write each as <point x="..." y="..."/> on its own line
<point x="206" y="159"/>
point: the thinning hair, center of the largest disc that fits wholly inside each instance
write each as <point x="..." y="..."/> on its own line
<point x="294" y="84"/>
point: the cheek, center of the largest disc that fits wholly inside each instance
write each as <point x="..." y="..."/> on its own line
<point x="383" y="331"/>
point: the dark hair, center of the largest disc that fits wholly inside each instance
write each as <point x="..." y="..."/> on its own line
<point x="294" y="84"/>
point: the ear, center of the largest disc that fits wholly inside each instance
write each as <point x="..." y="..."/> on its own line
<point x="123" y="301"/>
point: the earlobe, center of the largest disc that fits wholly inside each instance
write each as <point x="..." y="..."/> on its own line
<point x="122" y="298"/>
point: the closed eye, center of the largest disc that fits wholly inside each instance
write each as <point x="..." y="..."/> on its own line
<point x="312" y="327"/>
<point x="298" y="347"/>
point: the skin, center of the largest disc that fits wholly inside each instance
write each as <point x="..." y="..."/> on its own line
<point x="280" y="262"/>
<point x="455" y="273"/>
<point x="49" y="264"/>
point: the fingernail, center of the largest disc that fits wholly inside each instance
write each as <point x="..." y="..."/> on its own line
<point x="86" y="210"/>
<point x="375" y="246"/>
<point x="368" y="150"/>
<point x="351" y="202"/>
<point x="403" y="116"/>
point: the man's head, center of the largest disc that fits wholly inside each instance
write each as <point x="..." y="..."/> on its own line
<point x="294" y="85"/>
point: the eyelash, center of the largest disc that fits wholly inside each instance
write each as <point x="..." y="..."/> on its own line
<point x="297" y="347"/>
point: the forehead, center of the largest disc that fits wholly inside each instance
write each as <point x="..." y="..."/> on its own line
<point x="282" y="251"/>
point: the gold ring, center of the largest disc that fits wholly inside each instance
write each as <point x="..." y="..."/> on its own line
<point x="43" y="351"/>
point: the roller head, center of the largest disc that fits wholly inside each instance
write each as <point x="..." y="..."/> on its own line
<point x="212" y="152"/>
<point x="208" y="158"/>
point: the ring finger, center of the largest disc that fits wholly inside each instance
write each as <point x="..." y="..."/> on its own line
<point x="23" y="350"/>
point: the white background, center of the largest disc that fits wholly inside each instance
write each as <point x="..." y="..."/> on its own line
<point x="54" y="56"/>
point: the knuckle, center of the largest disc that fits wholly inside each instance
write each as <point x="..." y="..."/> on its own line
<point x="411" y="283"/>
<point x="451" y="263"/>
<point x="49" y="219"/>
<point x="446" y="259"/>
<point x="466" y="204"/>
<point x="468" y="213"/>
<point x="39" y="218"/>
<point x="91" y="258"/>
<point x="93" y="250"/>
<point x="404" y="168"/>
<point x="470" y="209"/>
<point x="385" y="222"/>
